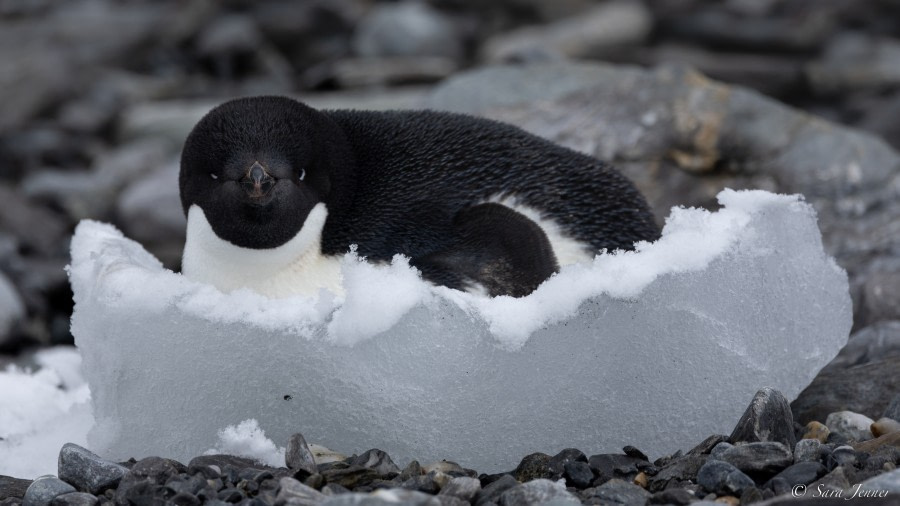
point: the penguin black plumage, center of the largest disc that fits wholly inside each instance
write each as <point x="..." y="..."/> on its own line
<point x="275" y="192"/>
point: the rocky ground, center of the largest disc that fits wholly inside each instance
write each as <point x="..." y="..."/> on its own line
<point x="785" y="95"/>
<point x="767" y="459"/>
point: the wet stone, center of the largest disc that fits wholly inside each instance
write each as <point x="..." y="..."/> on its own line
<point x="835" y="480"/>
<point x="462" y="487"/>
<point x="87" y="471"/>
<point x="751" y="495"/>
<point x="676" y="496"/>
<point x="719" y="449"/>
<point x="411" y="469"/>
<point x="802" y="473"/>
<point x="681" y="469"/>
<point x="612" y="465"/>
<point x="185" y="499"/>
<point x="379" y="461"/>
<point x="315" y="481"/>
<point x="615" y="491"/>
<point x="532" y="467"/>
<point x="45" y="489"/>
<point x="842" y="456"/>
<point x="722" y="478"/>
<point x="74" y="499"/>
<point x="578" y="474"/>
<point x="807" y="450"/>
<point x="13" y="487"/>
<point x="221" y="462"/>
<point x="492" y="492"/>
<point x="558" y="461"/>
<point x="762" y="457"/>
<point x="423" y="483"/>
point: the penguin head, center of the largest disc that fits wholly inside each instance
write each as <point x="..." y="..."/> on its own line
<point x="257" y="166"/>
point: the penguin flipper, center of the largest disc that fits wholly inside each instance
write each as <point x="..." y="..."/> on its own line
<point x="495" y="247"/>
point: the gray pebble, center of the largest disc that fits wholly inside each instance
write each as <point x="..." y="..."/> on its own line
<point x="722" y="478"/>
<point x="540" y="491"/>
<point x="295" y="493"/>
<point x="298" y="456"/>
<point x="462" y="487"/>
<point x="759" y="457"/>
<point x="807" y="450"/>
<point x="45" y="489"/>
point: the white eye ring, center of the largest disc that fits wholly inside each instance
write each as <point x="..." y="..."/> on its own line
<point x="302" y="174"/>
<point x="214" y="176"/>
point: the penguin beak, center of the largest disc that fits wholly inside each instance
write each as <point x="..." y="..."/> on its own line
<point x="257" y="182"/>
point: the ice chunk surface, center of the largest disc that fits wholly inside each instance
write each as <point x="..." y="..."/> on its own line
<point x="656" y="348"/>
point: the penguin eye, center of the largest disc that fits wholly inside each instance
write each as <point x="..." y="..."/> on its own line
<point x="302" y="174"/>
<point x="213" y="175"/>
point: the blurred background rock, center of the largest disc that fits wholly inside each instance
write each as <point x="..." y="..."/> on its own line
<point x="97" y="96"/>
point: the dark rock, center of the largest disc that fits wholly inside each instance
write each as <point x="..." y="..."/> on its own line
<point x="883" y="485"/>
<point x="20" y="217"/>
<point x="722" y="478"/>
<point x="844" y="456"/>
<point x="462" y="487"/>
<point x="762" y="457"/>
<point x="719" y="450"/>
<point x="681" y="469"/>
<point x="751" y="495"/>
<point x="412" y="469"/>
<point x="74" y="499"/>
<point x="767" y="418"/>
<point x="612" y="465"/>
<point x="535" y="492"/>
<point x="157" y="469"/>
<point x="45" y="489"/>
<point x="334" y="489"/>
<point x="807" y="450"/>
<point x="633" y="452"/>
<point x="491" y="493"/>
<point x="231" y="495"/>
<point x="351" y="477"/>
<point x="298" y="457"/>
<point x="379" y="461"/>
<point x="187" y="484"/>
<point x="615" y="491"/>
<point x="578" y="474"/>
<point x="185" y="499"/>
<point x="293" y="492"/>
<point x="558" y="461"/>
<point x="708" y="444"/>
<point x="423" y="483"/>
<point x="87" y="471"/>
<point x="532" y="467"/>
<point x="802" y="473"/>
<point x="449" y="468"/>
<point x="676" y="496"/>
<point x="13" y="487"/>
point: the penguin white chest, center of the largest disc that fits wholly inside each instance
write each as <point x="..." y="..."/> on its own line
<point x="296" y="267"/>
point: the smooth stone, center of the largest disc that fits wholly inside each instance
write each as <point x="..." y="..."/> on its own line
<point x="383" y="497"/>
<point x="843" y="456"/>
<point x="406" y="29"/>
<point x="674" y="496"/>
<point x="617" y="491"/>
<point x="423" y="483"/>
<point x="678" y="470"/>
<point x="816" y="430"/>
<point x="853" y="426"/>
<point x="613" y="465"/>
<point x="74" y="499"/>
<point x="807" y="450"/>
<point x="578" y="474"/>
<point x="221" y="462"/>
<point x="463" y="487"/>
<point x="379" y="461"/>
<point x="45" y="489"/>
<point x="293" y="492"/>
<point x="719" y="449"/>
<point x="558" y="461"/>
<point x="767" y="418"/>
<point x="323" y="455"/>
<point x="536" y="492"/>
<point x="722" y="478"/>
<point x="532" y="467"/>
<point x="884" y="426"/>
<point x="801" y="473"/>
<point x="87" y="471"/>
<point x="449" y="468"/>
<point x="761" y="457"/>
<point x="12" y="309"/>
<point x="491" y="493"/>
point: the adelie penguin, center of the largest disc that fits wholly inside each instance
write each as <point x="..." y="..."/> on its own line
<point x="277" y="192"/>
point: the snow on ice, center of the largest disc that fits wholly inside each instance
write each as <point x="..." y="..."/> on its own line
<point x="656" y="348"/>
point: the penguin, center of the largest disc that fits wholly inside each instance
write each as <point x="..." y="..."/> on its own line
<point x="276" y="192"/>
